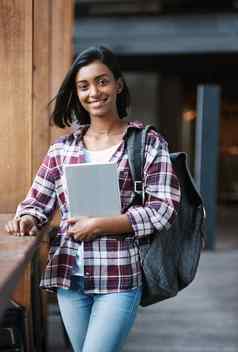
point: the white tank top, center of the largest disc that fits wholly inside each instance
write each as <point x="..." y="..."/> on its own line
<point x="99" y="156"/>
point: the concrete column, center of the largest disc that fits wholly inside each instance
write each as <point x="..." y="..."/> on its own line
<point x="206" y="153"/>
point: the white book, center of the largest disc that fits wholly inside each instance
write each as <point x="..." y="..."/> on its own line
<point x="93" y="189"/>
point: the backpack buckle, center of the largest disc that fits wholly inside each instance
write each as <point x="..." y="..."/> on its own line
<point x="138" y="187"/>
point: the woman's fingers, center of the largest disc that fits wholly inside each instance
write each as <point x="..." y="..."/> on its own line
<point x="7" y="227"/>
<point x="26" y="225"/>
<point x="75" y="225"/>
<point x="15" y="225"/>
<point x="81" y="228"/>
<point x="33" y="231"/>
<point x="72" y="221"/>
<point x="12" y="226"/>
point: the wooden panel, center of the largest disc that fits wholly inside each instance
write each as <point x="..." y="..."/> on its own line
<point x="15" y="256"/>
<point x="15" y="101"/>
<point x="53" y="28"/>
<point x="20" y="262"/>
<point x="22" y="293"/>
<point x="34" y="60"/>
<point x="41" y="96"/>
<point x="61" y="48"/>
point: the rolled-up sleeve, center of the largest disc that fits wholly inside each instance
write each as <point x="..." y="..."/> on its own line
<point x="162" y="190"/>
<point x="40" y="201"/>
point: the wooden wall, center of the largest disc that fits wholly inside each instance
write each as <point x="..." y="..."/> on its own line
<point x="35" y="52"/>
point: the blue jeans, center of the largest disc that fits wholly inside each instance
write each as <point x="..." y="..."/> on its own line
<point x="97" y="322"/>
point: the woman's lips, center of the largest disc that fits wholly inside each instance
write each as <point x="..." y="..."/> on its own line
<point x="98" y="103"/>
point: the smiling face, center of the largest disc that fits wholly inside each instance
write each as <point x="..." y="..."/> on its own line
<point x="97" y="89"/>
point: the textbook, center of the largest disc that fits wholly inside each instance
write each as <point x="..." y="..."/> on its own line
<point x="93" y="189"/>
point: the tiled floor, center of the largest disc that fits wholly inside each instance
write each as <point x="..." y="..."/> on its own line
<point x="202" y="318"/>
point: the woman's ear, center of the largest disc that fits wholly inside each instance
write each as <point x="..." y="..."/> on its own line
<point x="120" y="85"/>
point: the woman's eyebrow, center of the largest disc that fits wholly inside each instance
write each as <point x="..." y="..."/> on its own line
<point x="97" y="77"/>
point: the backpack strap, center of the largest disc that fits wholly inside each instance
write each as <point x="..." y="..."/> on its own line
<point x="136" y="152"/>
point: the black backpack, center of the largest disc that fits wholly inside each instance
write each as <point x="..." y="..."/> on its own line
<point x="171" y="262"/>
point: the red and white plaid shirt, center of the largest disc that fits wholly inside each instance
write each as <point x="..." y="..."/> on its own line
<point x="111" y="262"/>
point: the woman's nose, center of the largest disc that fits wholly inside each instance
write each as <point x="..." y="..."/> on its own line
<point x="93" y="91"/>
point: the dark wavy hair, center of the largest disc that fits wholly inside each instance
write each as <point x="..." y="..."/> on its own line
<point x="67" y="106"/>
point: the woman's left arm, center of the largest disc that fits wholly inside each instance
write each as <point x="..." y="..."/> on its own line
<point x="85" y="228"/>
<point x="162" y="190"/>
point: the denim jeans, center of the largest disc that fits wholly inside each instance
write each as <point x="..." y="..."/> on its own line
<point x="97" y="322"/>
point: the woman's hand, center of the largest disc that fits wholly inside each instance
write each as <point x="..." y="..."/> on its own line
<point x="25" y="225"/>
<point x="83" y="228"/>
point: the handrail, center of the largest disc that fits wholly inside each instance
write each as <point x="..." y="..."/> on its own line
<point x="15" y="254"/>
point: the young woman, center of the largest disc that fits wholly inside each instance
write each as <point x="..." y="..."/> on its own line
<point x="94" y="263"/>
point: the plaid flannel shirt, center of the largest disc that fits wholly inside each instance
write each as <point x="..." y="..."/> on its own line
<point x="111" y="262"/>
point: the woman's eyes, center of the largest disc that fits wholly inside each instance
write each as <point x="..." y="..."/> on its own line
<point x="101" y="82"/>
<point x="83" y="87"/>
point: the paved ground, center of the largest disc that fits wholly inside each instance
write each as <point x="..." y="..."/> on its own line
<point x="202" y="318"/>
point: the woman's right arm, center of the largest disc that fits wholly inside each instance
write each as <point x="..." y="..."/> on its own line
<point x="40" y="202"/>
